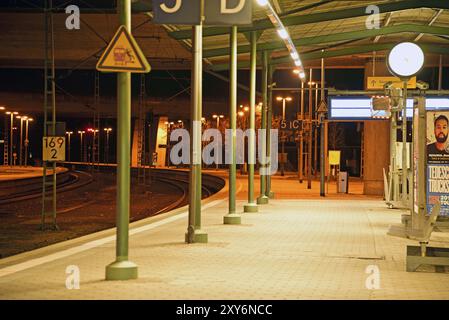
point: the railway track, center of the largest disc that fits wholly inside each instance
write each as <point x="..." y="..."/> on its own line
<point x="25" y="189"/>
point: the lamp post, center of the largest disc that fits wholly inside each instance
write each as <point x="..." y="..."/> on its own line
<point x="3" y="108"/>
<point x="27" y="142"/>
<point x="218" y="117"/>
<point x="106" y="156"/>
<point x="283" y="136"/>
<point x="81" y="133"/>
<point x="169" y="124"/>
<point x="68" y="133"/>
<point x="22" y="118"/>
<point x="404" y="61"/>
<point x="11" y="114"/>
<point x="94" y="133"/>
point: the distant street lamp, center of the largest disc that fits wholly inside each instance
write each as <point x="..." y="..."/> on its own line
<point x="169" y="124"/>
<point x="12" y="114"/>
<point x="283" y="140"/>
<point x="22" y="118"/>
<point x="218" y="117"/>
<point x="68" y="133"/>
<point x="81" y="133"/>
<point x="106" y="158"/>
<point x="27" y="142"/>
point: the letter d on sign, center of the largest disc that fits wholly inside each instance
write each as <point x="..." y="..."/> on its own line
<point x="226" y="10"/>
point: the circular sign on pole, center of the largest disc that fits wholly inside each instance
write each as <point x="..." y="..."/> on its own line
<point x="405" y="59"/>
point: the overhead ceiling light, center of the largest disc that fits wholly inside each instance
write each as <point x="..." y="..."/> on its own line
<point x="298" y="63"/>
<point x="262" y="3"/>
<point x="283" y="33"/>
<point x="294" y="55"/>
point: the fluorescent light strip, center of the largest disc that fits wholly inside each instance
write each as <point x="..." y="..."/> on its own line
<point x="283" y="33"/>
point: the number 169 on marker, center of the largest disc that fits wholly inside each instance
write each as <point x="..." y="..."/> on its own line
<point x="53" y="148"/>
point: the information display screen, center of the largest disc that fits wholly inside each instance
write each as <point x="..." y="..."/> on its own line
<point x="358" y="108"/>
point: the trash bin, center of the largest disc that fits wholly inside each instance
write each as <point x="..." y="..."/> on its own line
<point x="342" y="182"/>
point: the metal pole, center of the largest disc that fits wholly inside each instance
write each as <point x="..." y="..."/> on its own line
<point x="268" y="192"/>
<point x="251" y="206"/>
<point x="194" y="233"/>
<point x="301" y="132"/>
<point x="69" y="146"/>
<point x="12" y="138"/>
<point x="263" y="199"/>
<point x="26" y="143"/>
<point x="21" y="138"/>
<point x="283" y="139"/>
<point x="232" y="217"/>
<point x="309" y="146"/>
<point x="322" y="151"/>
<point x="216" y="157"/>
<point x="315" y="133"/>
<point x="440" y="73"/>
<point x="122" y="268"/>
<point x="404" y="144"/>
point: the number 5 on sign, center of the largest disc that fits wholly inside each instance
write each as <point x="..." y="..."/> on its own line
<point x="53" y="149"/>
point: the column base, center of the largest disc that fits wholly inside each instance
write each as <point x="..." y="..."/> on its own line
<point x="263" y="199"/>
<point x="232" y="218"/>
<point x="121" y="270"/>
<point x="250" y="207"/>
<point x="198" y="236"/>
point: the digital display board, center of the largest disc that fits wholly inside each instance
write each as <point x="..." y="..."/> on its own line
<point x="359" y="107"/>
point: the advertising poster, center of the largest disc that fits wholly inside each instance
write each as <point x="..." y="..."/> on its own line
<point x="438" y="160"/>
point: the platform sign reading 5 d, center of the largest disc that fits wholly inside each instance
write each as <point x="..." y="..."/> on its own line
<point x="53" y="148"/>
<point x="216" y="12"/>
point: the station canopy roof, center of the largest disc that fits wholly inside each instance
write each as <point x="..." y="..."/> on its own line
<point x="335" y="30"/>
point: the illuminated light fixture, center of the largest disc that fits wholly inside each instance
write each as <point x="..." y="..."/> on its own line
<point x="2" y="108"/>
<point x="277" y="23"/>
<point x="296" y="71"/>
<point x="405" y="59"/>
<point x="283" y="33"/>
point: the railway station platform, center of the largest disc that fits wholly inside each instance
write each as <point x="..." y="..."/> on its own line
<point x="10" y="173"/>
<point x="292" y="249"/>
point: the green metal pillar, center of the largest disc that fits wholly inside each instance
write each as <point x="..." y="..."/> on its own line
<point x="263" y="199"/>
<point x="251" y="206"/>
<point x="194" y="233"/>
<point x="268" y="192"/>
<point x="122" y="268"/>
<point x="322" y="152"/>
<point x="232" y="217"/>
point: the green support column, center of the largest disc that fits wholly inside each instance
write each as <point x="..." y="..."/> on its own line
<point x="232" y="217"/>
<point x="122" y="268"/>
<point x="263" y="199"/>
<point x="194" y="233"/>
<point x="268" y="192"/>
<point x="251" y="206"/>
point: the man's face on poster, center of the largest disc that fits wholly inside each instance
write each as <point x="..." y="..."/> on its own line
<point x="441" y="130"/>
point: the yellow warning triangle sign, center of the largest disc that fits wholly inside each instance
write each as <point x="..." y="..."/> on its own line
<point x="322" y="107"/>
<point x="123" y="55"/>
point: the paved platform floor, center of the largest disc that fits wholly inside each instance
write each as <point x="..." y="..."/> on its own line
<point x="291" y="249"/>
